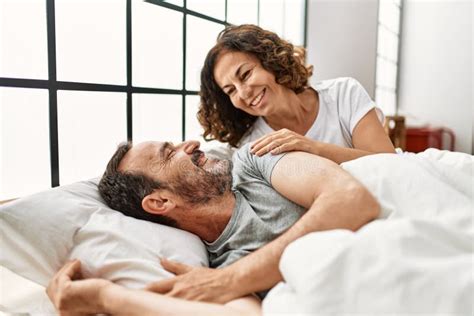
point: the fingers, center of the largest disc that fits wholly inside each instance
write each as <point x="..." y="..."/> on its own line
<point x="165" y="286"/>
<point x="262" y="142"/>
<point x="275" y="147"/>
<point x="73" y="269"/>
<point x="161" y="287"/>
<point x="263" y="146"/>
<point x="175" y="267"/>
<point x="283" y="148"/>
<point x="70" y="271"/>
<point x="273" y="142"/>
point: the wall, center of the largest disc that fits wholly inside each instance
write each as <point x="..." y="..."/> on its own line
<point x="435" y="78"/>
<point x="436" y="66"/>
<point x="342" y="40"/>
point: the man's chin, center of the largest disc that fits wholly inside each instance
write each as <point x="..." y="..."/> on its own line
<point x="218" y="166"/>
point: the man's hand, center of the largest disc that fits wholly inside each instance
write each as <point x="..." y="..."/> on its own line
<point x="72" y="297"/>
<point x="196" y="283"/>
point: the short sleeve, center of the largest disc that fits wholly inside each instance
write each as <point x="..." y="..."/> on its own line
<point x="360" y="103"/>
<point x="248" y="167"/>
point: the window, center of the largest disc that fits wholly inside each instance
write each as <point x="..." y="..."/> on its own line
<point x="79" y="76"/>
<point x="388" y="41"/>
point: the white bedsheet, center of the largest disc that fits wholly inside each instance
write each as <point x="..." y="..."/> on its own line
<point x="19" y="295"/>
<point x="419" y="260"/>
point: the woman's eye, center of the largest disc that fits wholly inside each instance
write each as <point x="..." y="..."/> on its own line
<point x="230" y="91"/>
<point x="245" y="75"/>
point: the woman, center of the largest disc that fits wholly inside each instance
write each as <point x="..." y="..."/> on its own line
<point x="254" y="88"/>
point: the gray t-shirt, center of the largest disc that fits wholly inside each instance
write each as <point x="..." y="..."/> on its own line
<point x="260" y="214"/>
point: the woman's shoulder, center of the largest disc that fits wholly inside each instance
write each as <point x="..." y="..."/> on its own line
<point x="341" y="83"/>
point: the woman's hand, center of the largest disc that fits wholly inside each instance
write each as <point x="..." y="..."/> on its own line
<point x="282" y="141"/>
<point x="72" y="296"/>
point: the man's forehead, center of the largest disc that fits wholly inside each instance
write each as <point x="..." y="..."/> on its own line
<point x="141" y="153"/>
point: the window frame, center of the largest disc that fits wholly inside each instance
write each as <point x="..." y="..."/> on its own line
<point x="53" y="85"/>
<point x="395" y="63"/>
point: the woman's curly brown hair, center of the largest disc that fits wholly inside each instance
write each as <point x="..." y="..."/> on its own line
<point x="219" y="118"/>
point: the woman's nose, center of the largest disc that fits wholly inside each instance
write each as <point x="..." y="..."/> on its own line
<point x="245" y="92"/>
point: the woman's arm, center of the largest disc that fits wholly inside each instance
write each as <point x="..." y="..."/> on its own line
<point x="368" y="138"/>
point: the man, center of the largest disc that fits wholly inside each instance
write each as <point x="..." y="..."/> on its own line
<point x="246" y="216"/>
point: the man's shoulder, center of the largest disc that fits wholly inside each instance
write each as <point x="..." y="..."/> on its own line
<point x="243" y="153"/>
<point x="246" y="163"/>
<point x="242" y="159"/>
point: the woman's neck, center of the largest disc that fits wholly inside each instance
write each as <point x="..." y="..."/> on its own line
<point x="297" y="112"/>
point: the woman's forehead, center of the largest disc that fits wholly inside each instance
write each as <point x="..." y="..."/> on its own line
<point x="227" y="64"/>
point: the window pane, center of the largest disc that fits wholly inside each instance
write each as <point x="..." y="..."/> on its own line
<point x="387" y="44"/>
<point x="90" y="125"/>
<point x="201" y="36"/>
<point x="242" y="11"/>
<point x="91" y="41"/>
<point x="386" y="101"/>
<point x="24" y="142"/>
<point x="194" y="130"/>
<point x="382" y="47"/>
<point x="213" y="8"/>
<point x="294" y="21"/>
<point x="157" y="117"/>
<point x="271" y="15"/>
<point x="23" y="40"/>
<point x="389" y="74"/>
<point x="389" y="15"/>
<point x="157" y="46"/>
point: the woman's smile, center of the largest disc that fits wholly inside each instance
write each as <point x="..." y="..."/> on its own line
<point x="258" y="100"/>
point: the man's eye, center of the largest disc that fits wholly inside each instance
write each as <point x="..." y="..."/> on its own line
<point x="170" y="155"/>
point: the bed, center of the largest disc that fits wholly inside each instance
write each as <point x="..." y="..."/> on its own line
<point x="419" y="259"/>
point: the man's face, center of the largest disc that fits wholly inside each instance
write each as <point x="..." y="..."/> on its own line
<point x="182" y="168"/>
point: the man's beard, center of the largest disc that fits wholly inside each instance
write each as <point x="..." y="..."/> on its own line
<point x="200" y="186"/>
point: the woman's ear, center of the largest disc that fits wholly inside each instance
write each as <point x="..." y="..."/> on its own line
<point x="159" y="202"/>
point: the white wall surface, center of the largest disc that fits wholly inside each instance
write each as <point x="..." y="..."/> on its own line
<point x="436" y="66"/>
<point x="342" y="40"/>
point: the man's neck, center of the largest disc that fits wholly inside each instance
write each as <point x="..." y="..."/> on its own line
<point x="209" y="221"/>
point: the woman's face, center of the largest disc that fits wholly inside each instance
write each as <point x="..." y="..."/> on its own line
<point x="250" y="87"/>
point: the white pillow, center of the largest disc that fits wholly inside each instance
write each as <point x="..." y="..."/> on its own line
<point x="40" y="232"/>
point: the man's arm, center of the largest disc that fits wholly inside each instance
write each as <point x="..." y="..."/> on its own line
<point x="73" y="296"/>
<point x="334" y="200"/>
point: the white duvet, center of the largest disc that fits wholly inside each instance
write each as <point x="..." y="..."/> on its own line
<point x="417" y="259"/>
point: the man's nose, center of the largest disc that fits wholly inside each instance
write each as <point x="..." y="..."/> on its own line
<point x="190" y="146"/>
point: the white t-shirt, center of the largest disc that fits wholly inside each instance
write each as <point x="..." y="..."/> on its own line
<point x="343" y="102"/>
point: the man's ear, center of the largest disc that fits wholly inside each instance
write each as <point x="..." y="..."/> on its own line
<point x="159" y="202"/>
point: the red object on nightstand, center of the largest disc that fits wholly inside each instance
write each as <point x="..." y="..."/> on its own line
<point x="419" y="139"/>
